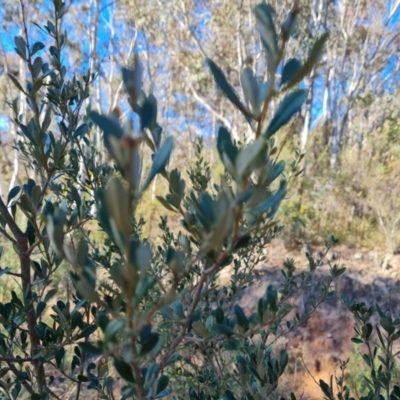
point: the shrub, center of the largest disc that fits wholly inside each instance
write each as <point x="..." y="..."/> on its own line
<point x="152" y="313"/>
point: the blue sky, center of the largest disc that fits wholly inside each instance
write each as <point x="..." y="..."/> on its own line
<point x="104" y="37"/>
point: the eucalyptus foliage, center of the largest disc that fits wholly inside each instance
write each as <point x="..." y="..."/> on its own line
<point x="149" y="312"/>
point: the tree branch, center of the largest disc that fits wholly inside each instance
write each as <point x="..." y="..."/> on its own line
<point x="25" y="265"/>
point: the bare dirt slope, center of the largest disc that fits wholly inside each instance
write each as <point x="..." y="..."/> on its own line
<point x="327" y="337"/>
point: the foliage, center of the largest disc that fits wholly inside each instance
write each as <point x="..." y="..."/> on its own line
<point x="154" y="314"/>
<point x="377" y="332"/>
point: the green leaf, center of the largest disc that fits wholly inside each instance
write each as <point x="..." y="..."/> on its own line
<point x="50" y="294"/>
<point x="313" y="58"/>
<point x="173" y="358"/>
<point x="290" y="70"/>
<point x="241" y="317"/>
<point x="166" y="204"/>
<point x="111" y="128"/>
<point x="226" y="87"/>
<point x="20" y="46"/>
<point x="266" y="29"/>
<point x="326" y="389"/>
<point x="15" y="82"/>
<point x="148" y="113"/>
<point x="229" y="395"/>
<point x="251" y="157"/>
<point x="262" y="94"/>
<point x="272" y="298"/>
<point x="219" y="315"/>
<point x="164" y="393"/>
<point x="86" y="332"/>
<point x="12" y="195"/>
<point x="250" y="88"/>
<point x="124" y="370"/>
<point x="47" y="118"/>
<point x="283" y="360"/>
<point x="39" y="308"/>
<point x="221" y="329"/>
<point x="80" y="131"/>
<point x="200" y="329"/>
<point x="227" y="150"/>
<point x="132" y="78"/>
<point x="160" y="160"/>
<point x="385" y="323"/>
<point x="40" y="330"/>
<point x="162" y="384"/>
<point x="232" y="345"/>
<point x="89" y="349"/>
<point x="37" y="47"/>
<point x="289" y="24"/>
<point x="178" y="309"/>
<point x="366" y="331"/>
<point x="113" y="327"/>
<point x="272" y="200"/>
<point x="37" y="67"/>
<point x="225" y="145"/>
<point x="149" y="343"/>
<point x="289" y="106"/>
<point x="366" y="359"/>
<point x="83" y="378"/>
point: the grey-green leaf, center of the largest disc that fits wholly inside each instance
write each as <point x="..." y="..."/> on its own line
<point x="16" y="83"/>
<point x="290" y="69"/>
<point x="20" y="46"/>
<point x="13" y="193"/>
<point x="289" y="106"/>
<point x="37" y="47"/>
<point x="226" y="87"/>
<point x="266" y="29"/>
<point x="109" y="125"/>
<point x="250" y="87"/>
<point x="148" y="113"/>
<point x="272" y="200"/>
<point x="225" y="145"/>
<point x="313" y="58"/>
<point x="250" y="158"/>
<point x="160" y="160"/>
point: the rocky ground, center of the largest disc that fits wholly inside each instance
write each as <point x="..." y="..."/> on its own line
<point x="315" y="350"/>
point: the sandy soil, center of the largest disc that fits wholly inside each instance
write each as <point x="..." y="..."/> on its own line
<point x="370" y="277"/>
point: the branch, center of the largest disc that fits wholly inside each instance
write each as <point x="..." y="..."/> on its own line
<point x="186" y="323"/>
<point x="26" y="385"/>
<point x="16" y="360"/>
<point x="216" y="114"/>
<point x="4" y="232"/>
<point x="392" y="12"/>
<point x="25" y="265"/>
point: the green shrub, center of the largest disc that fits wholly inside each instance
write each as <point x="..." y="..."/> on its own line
<point x="151" y="311"/>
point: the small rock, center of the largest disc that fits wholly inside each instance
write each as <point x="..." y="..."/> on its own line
<point x="358" y="256"/>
